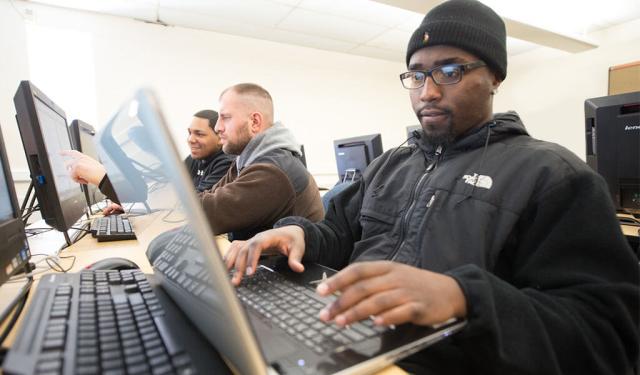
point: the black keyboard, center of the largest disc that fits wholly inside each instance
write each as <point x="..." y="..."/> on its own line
<point x="295" y="309"/>
<point x="279" y="301"/>
<point x="97" y="322"/>
<point x="112" y="228"/>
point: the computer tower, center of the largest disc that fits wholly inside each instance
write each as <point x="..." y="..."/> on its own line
<point x="612" y="129"/>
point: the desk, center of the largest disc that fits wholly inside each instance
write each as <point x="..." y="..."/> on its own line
<point x="88" y="251"/>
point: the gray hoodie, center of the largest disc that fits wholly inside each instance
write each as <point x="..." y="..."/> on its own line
<point x="276" y="137"/>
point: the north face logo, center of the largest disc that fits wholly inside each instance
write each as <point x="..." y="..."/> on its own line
<point x="482" y="181"/>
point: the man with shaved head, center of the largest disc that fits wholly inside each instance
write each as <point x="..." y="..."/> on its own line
<point x="267" y="181"/>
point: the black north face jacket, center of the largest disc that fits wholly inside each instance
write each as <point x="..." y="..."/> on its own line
<point x="526" y="228"/>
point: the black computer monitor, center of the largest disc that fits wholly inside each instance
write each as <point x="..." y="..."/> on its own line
<point x="612" y="128"/>
<point x="14" y="250"/>
<point x="354" y="154"/>
<point x="82" y="139"/>
<point x="43" y="128"/>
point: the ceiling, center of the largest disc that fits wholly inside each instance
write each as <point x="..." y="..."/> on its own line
<point x="372" y="28"/>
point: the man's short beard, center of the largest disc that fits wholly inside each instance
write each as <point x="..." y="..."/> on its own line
<point x="230" y="149"/>
<point x="439" y="138"/>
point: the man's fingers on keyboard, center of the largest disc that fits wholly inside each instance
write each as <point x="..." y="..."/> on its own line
<point x="374" y="305"/>
<point x="254" y="249"/>
<point x="352" y="274"/>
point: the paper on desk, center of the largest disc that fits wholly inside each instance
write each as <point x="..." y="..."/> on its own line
<point x="49" y="242"/>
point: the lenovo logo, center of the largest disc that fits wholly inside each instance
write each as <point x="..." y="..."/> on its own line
<point x="632" y="127"/>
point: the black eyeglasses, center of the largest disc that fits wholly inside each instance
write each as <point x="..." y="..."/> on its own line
<point x="449" y="74"/>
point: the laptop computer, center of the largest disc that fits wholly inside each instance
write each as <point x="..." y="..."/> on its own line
<point x="267" y="325"/>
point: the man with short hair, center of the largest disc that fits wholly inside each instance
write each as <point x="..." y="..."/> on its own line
<point x="478" y="221"/>
<point x="267" y="181"/>
<point x="207" y="163"/>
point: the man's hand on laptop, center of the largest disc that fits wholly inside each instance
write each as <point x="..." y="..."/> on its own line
<point x="393" y="293"/>
<point x="244" y="255"/>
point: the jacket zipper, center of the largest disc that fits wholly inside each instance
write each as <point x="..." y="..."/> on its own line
<point x="412" y="205"/>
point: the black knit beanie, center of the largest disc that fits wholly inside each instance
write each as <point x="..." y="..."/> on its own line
<point x="468" y="25"/>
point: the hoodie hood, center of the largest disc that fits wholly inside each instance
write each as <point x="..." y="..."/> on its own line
<point x="503" y="125"/>
<point x="276" y="137"/>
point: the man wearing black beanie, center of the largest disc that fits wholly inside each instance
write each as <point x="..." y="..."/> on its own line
<point x="477" y="221"/>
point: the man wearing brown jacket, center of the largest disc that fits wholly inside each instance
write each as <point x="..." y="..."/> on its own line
<point x="267" y="181"/>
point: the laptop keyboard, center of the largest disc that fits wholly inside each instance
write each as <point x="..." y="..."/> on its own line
<point x="114" y="325"/>
<point x="112" y="228"/>
<point x="295" y="309"/>
<point x="279" y="301"/>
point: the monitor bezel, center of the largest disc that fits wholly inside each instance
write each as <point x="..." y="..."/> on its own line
<point x="57" y="213"/>
<point x="12" y="229"/>
<point x="373" y="147"/>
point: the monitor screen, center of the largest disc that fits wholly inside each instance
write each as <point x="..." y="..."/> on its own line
<point x="353" y="155"/>
<point x="44" y="133"/>
<point x="14" y="250"/>
<point x="56" y="138"/>
<point x="82" y="137"/>
<point x="6" y="209"/>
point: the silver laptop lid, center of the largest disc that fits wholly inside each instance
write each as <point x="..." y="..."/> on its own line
<point x="138" y="137"/>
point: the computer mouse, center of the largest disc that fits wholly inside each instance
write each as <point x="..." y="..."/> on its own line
<point x="112" y="264"/>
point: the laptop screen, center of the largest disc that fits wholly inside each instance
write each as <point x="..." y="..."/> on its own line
<point x="138" y="136"/>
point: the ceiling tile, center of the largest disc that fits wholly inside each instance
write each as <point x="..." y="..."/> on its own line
<point x="311" y="41"/>
<point x="585" y="15"/>
<point x="140" y="9"/>
<point x="333" y="27"/>
<point x="361" y="10"/>
<point x="292" y="3"/>
<point x="379" y="53"/>
<point x="518" y="46"/>
<point x="411" y="23"/>
<point x="207" y="22"/>
<point x="393" y="39"/>
<point x="254" y="12"/>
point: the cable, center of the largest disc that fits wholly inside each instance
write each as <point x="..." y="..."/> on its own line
<point x="30" y="232"/>
<point x="81" y="229"/>
<point x="53" y="263"/>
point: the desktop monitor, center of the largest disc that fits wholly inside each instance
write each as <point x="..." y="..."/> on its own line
<point x="354" y="154"/>
<point x="612" y="129"/>
<point x="44" y="133"/>
<point x="82" y="139"/>
<point x="14" y="250"/>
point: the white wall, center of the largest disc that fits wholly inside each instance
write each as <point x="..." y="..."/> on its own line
<point x="320" y="95"/>
<point x="548" y="87"/>
<point x="13" y="67"/>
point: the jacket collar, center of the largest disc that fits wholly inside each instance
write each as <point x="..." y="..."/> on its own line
<point x="503" y="125"/>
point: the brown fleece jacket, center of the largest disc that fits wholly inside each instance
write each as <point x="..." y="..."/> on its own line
<point x="272" y="188"/>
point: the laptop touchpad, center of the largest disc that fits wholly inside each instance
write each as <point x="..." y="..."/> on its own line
<point x="273" y="342"/>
